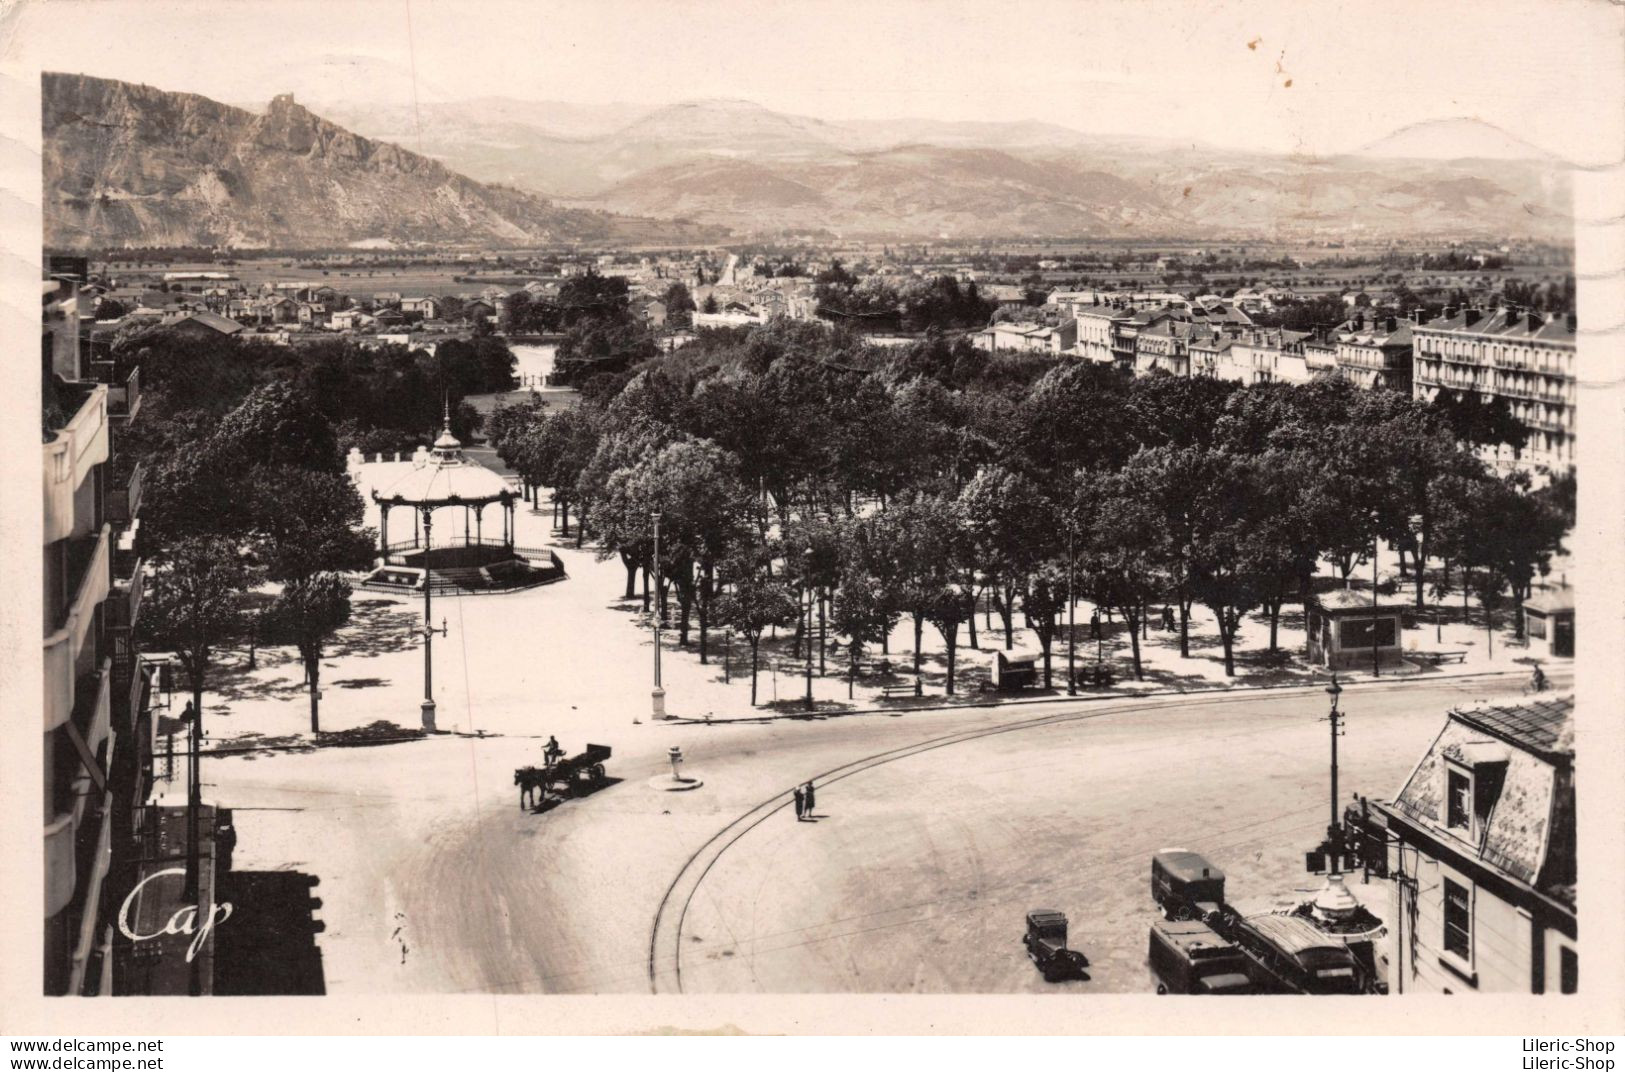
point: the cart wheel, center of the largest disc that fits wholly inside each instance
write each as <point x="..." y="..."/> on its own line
<point x="598" y="775"/>
<point x="1162" y="989"/>
<point x="1182" y="913"/>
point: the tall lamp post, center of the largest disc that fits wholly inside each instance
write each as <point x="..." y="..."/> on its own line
<point x="1376" y="667"/>
<point x="1071" y="616"/>
<point x="1334" y="901"/>
<point x="659" y="694"/>
<point x="428" y="706"/>
<point x="806" y="578"/>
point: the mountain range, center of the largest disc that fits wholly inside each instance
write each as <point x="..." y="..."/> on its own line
<point x="737" y="164"/>
<point x="128" y="165"/>
<point x="135" y="165"/>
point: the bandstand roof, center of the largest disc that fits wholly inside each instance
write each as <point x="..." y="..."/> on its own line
<point x="442" y="476"/>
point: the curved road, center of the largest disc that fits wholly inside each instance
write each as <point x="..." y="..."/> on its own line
<point x="926" y="853"/>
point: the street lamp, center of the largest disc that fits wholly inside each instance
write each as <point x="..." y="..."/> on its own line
<point x="1071" y="616"/>
<point x="1334" y="690"/>
<point x="806" y="586"/>
<point x="659" y="694"/>
<point x="427" y="708"/>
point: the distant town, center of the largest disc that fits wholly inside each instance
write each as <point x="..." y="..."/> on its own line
<point x="768" y="551"/>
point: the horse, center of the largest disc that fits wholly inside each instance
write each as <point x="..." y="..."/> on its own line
<point x="530" y="780"/>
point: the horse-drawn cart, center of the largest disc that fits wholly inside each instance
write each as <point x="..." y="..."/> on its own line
<point x="564" y="776"/>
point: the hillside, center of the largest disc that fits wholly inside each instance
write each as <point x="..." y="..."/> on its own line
<point x="133" y="165"/>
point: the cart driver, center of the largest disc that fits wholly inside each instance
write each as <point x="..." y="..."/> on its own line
<point x="551" y="752"/>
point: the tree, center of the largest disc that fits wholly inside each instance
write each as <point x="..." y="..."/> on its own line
<point x="277" y="424"/>
<point x="754" y="602"/>
<point x="1118" y="560"/>
<point x="194" y="605"/>
<point x="304" y="522"/>
<point x="1043" y="601"/>
<point x="1511" y="536"/>
<point x="679" y="305"/>
<point x="305" y="614"/>
<point x="1009" y="524"/>
<point x="862" y="613"/>
<point x="928" y="537"/>
<point x="1221" y="576"/>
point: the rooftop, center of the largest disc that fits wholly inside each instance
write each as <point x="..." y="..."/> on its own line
<point x="1544" y="726"/>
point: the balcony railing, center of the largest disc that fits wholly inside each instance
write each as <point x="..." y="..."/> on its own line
<point x="124" y="503"/>
<point x="62" y="646"/>
<point x="74" y="792"/>
<point x="129" y="583"/>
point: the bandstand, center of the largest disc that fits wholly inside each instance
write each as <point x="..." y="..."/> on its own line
<point x="442" y="482"/>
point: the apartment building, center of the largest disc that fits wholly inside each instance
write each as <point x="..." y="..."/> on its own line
<point x="95" y="690"/>
<point x="1376" y="351"/>
<point x="1526" y="358"/>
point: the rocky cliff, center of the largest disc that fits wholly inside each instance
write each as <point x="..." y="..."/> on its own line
<point x="129" y="165"/>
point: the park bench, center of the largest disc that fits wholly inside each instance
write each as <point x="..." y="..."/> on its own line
<point x="1437" y="657"/>
<point x="892" y="692"/>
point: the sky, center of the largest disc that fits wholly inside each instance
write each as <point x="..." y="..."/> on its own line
<point x="1292" y="77"/>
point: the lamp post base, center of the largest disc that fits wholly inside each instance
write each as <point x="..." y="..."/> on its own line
<point x="658" y="696"/>
<point x="428" y="716"/>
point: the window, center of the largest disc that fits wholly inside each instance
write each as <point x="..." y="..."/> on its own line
<point x="1458" y="920"/>
<point x="1458" y="800"/>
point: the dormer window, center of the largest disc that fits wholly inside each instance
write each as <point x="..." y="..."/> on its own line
<point x="1472" y="783"/>
<point x="1459" y="800"/>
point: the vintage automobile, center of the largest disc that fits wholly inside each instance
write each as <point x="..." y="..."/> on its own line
<point x="1299" y="958"/>
<point x="1189" y="957"/>
<point x="1185" y="885"/>
<point x="1046" y="945"/>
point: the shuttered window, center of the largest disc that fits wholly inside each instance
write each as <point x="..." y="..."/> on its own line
<point x="1458" y="920"/>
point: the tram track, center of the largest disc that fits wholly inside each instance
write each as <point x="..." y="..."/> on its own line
<point x="665" y="967"/>
<point x="665" y="970"/>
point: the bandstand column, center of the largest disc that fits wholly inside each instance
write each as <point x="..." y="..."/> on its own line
<point x="383" y="530"/>
<point x="479" y="524"/>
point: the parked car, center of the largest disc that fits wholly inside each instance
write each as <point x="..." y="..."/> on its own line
<point x="1189" y="957"/>
<point x="1185" y="885"/>
<point x="1046" y="945"/>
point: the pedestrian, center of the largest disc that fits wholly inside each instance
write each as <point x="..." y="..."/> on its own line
<point x="1094" y="626"/>
<point x="1167" y="619"/>
<point x="189" y="713"/>
<point x="801" y="804"/>
<point x="809" y="794"/>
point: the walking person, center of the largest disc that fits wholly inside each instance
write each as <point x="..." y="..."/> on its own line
<point x="1094" y="626"/>
<point x="808" y="791"/>
<point x="801" y="804"/>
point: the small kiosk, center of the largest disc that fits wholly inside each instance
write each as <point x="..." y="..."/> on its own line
<point x="1344" y="626"/>
<point x="1548" y="622"/>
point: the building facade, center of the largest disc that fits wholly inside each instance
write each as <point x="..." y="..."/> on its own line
<point x="1376" y="352"/>
<point x="1522" y="357"/>
<point x="1481" y="854"/>
<point x="96" y="728"/>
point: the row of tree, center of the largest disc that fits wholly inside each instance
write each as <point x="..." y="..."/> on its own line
<point x="921" y="483"/>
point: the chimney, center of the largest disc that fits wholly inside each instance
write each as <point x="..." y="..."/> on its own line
<point x="1571" y="323"/>
<point x="1469" y="317"/>
<point x="1534" y="322"/>
<point x="1449" y="312"/>
<point x="1512" y="312"/>
<point x="1392" y="325"/>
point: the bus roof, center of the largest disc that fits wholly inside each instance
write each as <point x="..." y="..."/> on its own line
<point x="1186" y="865"/>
